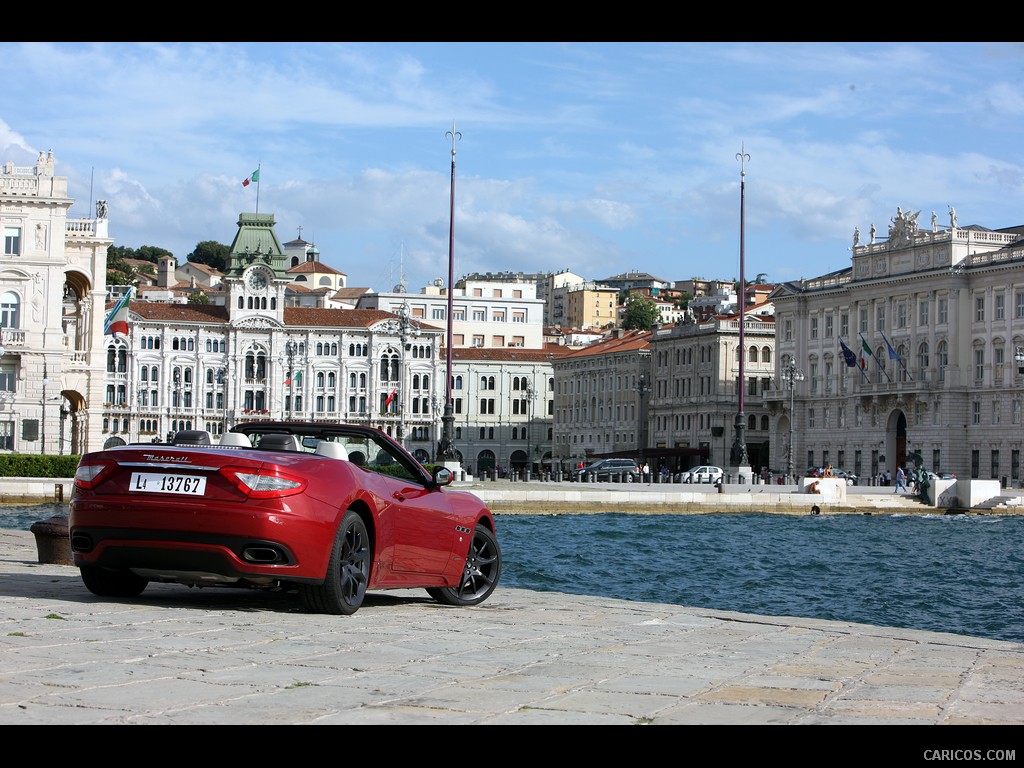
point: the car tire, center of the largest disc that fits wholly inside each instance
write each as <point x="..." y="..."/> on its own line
<point x="105" y="583"/>
<point x="348" y="571"/>
<point x="629" y="477"/>
<point x="480" y="573"/>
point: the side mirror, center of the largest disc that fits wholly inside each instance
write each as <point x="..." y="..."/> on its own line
<point x="443" y="476"/>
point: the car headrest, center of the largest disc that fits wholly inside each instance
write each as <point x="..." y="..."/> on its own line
<point x="192" y="437"/>
<point x="235" y="438"/>
<point x="276" y="441"/>
<point x="332" y="450"/>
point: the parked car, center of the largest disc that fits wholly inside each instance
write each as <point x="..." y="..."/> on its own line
<point x="625" y="470"/>
<point x="703" y="474"/>
<point x="813" y="472"/>
<point x="330" y="511"/>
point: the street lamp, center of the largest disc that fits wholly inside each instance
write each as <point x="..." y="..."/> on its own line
<point x="406" y="329"/>
<point x="529" y="395"/>
<point x="791" y="375"/>
<point x="291" y="348"/>
<point x="64" y="413"/>
<point x="42" y="423"/>
<point x="643" y="387"/>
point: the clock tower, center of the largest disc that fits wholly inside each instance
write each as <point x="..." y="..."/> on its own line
<point x="255" y="278"/>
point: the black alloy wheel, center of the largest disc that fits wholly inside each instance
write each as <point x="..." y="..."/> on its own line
<point x="348" y="571"/>
<point x="479" y="575"/>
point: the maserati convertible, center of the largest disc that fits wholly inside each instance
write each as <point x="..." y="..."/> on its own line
<point x="329" y="511"/>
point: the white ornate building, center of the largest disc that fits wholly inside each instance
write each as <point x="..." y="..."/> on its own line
<point x="941" y="309"/>
<point x="52" y="293"/>
<point x="210" y="366"/>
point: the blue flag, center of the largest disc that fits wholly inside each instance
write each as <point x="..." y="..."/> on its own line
<point x="851" y="359"/>
<point x="892" y="352"/>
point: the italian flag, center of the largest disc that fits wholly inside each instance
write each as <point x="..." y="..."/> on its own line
<point x="254" y="177"/>
<point x="116" y="321"/>
<point x="865" y="351"/>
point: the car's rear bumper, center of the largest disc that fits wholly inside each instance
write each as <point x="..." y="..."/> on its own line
<point x="256" y="542"/>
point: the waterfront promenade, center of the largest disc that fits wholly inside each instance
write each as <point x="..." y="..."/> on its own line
<point x="214" y="656"/>
<point x="181" y="656"/>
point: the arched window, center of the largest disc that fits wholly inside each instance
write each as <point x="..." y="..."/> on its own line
<point x="10" y="310"/>
<point x="942" y="353"/>
<point x="922" y="361"/>
<point x="255" y="365"/>
<point x="389" y="366"/>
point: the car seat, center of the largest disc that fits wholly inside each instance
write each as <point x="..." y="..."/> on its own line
<point x="332" y="450"/>
<point x="276" y="441"/>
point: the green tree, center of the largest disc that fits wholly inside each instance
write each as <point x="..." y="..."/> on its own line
<point x="640" y="313"/>
<point x="212" y="254"/>
<point x="120" y="252"/>
<point x="153" y="253"/>
<point x="119" y="271"/>
<point x="684" y="300"/>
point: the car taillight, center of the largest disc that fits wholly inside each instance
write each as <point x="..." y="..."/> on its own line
<point x="91" y="471"/>
<point x="266" y="483"/>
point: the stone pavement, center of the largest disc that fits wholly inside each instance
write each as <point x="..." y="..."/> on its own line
<point x="181" y="656"/>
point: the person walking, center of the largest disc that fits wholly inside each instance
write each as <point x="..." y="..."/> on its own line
<point x="901" y="480"/>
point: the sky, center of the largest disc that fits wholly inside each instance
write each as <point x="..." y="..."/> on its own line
<point x="598" y="158"/>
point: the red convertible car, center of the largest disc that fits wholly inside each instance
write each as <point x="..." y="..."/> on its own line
<point x="328" y="510"/>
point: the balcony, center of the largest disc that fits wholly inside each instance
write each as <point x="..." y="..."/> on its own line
<point x="12" y="338"/>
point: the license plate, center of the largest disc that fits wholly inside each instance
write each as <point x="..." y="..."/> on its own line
<point x="153" y="482"/>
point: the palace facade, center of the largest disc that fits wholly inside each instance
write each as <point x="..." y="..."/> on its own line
<point x="914" y="353"/>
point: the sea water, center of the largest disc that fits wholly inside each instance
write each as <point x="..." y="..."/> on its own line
<point x="946" y="573"/>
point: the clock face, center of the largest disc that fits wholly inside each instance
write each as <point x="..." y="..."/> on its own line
<point x="257" y="281"/>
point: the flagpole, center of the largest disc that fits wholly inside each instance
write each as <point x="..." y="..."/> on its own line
<point x="446" y="451"/>
<point x="896" y="357"/>
<point x="258" y="166"/>
<point x="738" y="456"/>
<point x="880" y="366"/>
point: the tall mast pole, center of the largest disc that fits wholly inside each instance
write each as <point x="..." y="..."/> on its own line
<point x="446" y="449"/>
<point x="739" y="446"/>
